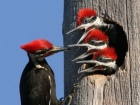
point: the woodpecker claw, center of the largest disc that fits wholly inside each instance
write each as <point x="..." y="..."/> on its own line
<point x="68" y="99"/>
<point x="61" y="99"/>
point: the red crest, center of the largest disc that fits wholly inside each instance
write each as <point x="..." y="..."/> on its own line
<point x="85" y="12"/>
<point x="96" y="35"/>
<point x="35" y="45"/>
<point x="108" y="52"/>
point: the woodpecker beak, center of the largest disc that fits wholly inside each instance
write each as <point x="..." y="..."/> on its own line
<point x="92" y="69"/>
<point x="90" y="50"/>
<point x="75" y="29"/>
<point x="82" y="56"/>
<point x="83" y="45"/>
<point x="84" y="35"/>
<point x="55" y="50"/>
<point x="58" y="49"/>
<point x="83" y="26"/>
<point x="94" y="62"/>
<point x="88" y="61"/>
<point x="89" y="46"/>
<point x="109" y="64"/>
<point x="96" y="67"/>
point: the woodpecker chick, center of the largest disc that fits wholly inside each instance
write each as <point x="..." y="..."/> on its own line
<point x="85" y="18"/>
<point x="115" y="32"/>
<point x="37" y="84"/>
<point x="95" y="40"/>
<point x="103" y="60"/>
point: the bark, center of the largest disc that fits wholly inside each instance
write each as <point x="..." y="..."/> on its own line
<point x="122" y="88"/>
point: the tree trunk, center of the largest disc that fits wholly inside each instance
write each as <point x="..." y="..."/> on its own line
<point x="122" y="88"/>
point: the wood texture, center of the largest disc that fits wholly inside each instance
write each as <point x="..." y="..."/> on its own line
<point x="123" y="88"/>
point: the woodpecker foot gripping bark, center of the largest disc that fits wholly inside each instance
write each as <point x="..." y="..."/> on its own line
<point x="69" y="98"/>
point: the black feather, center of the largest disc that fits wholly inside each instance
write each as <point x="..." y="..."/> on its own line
<point x="35" y="85"/>
<point x="117" y="39"/>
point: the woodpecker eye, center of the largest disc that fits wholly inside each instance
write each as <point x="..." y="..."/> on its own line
<point x="100" y="59"/>
<point x="85" y="20"/>
<point x="92" y="42"/>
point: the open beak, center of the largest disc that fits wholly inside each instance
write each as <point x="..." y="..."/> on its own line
<point x="77" y="28"/>
<point x="92" y="69"/>
<point x="83" y="26"/>
<point x="92" y="62"/>
<point x="110" y="64"/>
<point x="90" y="50"/>
<point x="83" y="45"/>
<point x="97" y="66"/>
<point x="82" y="56"/>
<point x="88" y="61"/>
<point x="84" y="35"/>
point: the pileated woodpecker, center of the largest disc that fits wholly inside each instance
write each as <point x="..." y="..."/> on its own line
<point x="85" y="18"/>
<point x="95" y="40"/>
<point x="88" y="20"/>
<point x="103" y="60"/>
<point x="37" y="84"/>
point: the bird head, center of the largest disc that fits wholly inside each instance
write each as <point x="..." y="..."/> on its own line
<point x="102" y="60"/>
<point x="95" y="40"/>
<point x="85" y="16"/>
<point x="41" y="48"/>
<point x="86" y="19"/>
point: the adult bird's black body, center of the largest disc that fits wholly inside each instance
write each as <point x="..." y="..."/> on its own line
<point x="37" y="84"/>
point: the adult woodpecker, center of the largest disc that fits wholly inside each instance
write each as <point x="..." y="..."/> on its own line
<point x="37" y="84"/>
<point x="115" y="32"/>
<point x="104" y="60"/>
<point x="95" y="40"/>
